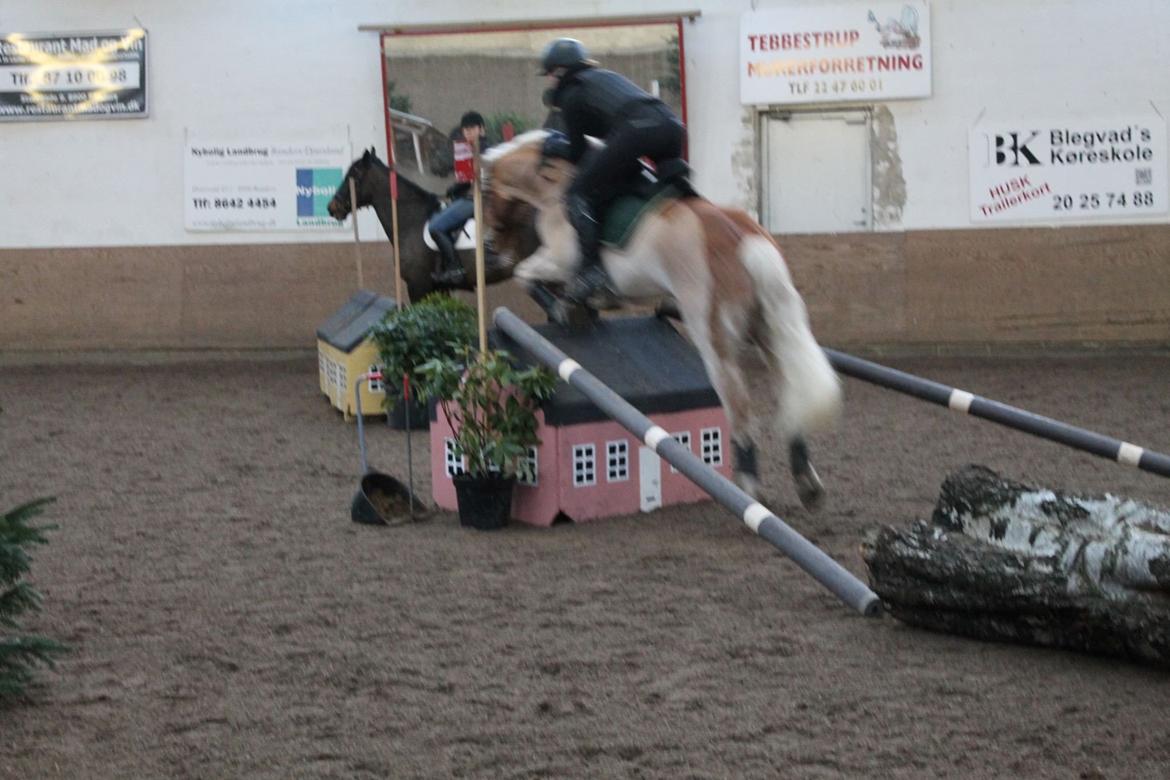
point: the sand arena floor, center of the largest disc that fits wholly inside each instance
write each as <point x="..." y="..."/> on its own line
<point x="228" y="620"/>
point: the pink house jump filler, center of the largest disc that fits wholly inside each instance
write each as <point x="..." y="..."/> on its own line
<point x="588" y="466"/>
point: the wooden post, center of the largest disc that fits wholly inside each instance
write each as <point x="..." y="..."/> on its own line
<point x="394" y="229"/>
<point x="480" y="284"/>
<point x="357" y="244"/>
<point x="393" y="176"/>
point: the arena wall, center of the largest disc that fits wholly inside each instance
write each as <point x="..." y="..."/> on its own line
<point x="94" y="254"/>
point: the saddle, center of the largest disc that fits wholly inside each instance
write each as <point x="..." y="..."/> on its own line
<point x="465" y="239"/>
<point x="645" y="192"/>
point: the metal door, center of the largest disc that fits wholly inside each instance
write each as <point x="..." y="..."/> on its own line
<point x="816" y="174"/>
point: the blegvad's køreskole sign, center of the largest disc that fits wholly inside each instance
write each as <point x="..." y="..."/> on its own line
<point x="1058" y="170"/>
<point x="835" y="52"/>
<point x="91" y="75"/>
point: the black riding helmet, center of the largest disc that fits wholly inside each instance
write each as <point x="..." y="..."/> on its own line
<point x="564" y="53"/>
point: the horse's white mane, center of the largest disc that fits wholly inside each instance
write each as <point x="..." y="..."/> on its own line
<point x="529" y="138"/>
<point x="524" y="139"/>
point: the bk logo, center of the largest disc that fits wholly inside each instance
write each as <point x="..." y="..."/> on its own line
<point x="1011" y="150"/>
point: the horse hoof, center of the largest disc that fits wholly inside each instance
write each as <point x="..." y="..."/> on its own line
<point x="572" y="317"/>
<point x="604" y="299"/>
<point x="809" y="488"/>
<point x="667" y="309"/>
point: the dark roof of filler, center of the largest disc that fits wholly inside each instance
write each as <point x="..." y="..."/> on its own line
<point x="354" y="332"/>
<point x="357" y="303"/>
<point x="642" y="359"/>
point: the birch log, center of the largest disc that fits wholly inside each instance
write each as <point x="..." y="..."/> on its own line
<point x="1005" y="561"/>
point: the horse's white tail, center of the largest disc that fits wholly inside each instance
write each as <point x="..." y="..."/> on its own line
<point x="809" y="393"/>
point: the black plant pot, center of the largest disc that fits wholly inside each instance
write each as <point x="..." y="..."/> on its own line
<point x="484" y="502"/>
<point x="419" y="415"/>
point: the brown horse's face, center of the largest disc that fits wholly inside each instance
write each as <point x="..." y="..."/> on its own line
<point x="339" y="206"/>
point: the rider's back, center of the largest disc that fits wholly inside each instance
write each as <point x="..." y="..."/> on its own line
<point x="594" y="101"/>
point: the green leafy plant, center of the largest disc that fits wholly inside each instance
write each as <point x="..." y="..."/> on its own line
<point x="491" y="406"/>
<point x="398" y="102"/>
<point x="437" y="327"/>
<point x="20" y="655"/>
<point x="671" y="79"/>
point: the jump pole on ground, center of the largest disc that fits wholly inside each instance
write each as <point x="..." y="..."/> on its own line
<point x="756" y="516"/>
<point x="1013" y="417"/>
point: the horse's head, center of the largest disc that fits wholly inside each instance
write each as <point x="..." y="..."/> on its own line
<point x="520" y="180"/>
<point x="359" y="171"/>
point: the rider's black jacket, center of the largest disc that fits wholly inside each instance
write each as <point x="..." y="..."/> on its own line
<point x="594" y="101"/>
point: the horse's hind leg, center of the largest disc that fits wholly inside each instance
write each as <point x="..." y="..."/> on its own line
<point x="808" y="483"/>
<point x="721" y="360"/>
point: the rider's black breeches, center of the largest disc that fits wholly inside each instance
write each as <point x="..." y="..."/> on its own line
<point x="649" y="131"/>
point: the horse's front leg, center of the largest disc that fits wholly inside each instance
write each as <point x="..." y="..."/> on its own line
<point x="746" y="466"/>
<point x="542" y="273"/>
<point x="557" y="309"/>
<point x="544" y="297"/>
<point x="808" y="483"/>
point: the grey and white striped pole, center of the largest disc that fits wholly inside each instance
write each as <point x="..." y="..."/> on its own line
<point x="757" y="517"/>
<point x="967" y="403"/>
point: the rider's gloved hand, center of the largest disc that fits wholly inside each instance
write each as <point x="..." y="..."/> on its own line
<point x="556" y="145"/>
<point x="459" y="189"/>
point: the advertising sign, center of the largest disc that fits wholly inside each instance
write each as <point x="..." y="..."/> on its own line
<point x="1065" y="170"/>
<point x="263" y="184"/>
<point x="835" y="53"/>
<point x="73" y="75"/>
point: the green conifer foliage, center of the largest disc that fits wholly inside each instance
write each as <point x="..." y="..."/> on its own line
<point x="20" y="655"/>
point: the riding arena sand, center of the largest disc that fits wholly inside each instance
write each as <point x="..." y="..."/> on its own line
<point x="227" y="619"/>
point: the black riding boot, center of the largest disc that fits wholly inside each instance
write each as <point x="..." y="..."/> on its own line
<point x="452" y="270"/>
<point x="591" y="277"/>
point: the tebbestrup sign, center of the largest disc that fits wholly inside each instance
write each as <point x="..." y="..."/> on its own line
<point x="835" y="53"/>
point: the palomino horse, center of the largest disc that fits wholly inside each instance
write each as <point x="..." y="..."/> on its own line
<point x="726" y="274"/>
<point x="415" y="206"/>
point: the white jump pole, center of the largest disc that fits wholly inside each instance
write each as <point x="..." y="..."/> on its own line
<point x="756" y="516"/>
<point x="961" y="401"/>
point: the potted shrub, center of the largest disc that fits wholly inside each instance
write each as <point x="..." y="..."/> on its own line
<point x="491" y="406"/>
<point x="437" y="327"/>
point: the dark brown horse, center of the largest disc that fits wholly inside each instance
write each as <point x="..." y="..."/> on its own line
<point x="371" y="178"/>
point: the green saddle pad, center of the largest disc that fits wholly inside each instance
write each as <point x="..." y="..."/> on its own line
<point x="624" y="214"/>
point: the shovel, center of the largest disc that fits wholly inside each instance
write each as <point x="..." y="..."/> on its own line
<point x="376" y="486"/>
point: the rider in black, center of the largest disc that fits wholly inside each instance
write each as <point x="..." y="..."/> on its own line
<point x="631" y="122"/>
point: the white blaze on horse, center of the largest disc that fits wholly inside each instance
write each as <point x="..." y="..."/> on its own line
<point x="723" y="270"/>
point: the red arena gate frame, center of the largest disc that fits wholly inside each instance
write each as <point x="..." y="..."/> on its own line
<point x="459" y="28"/>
